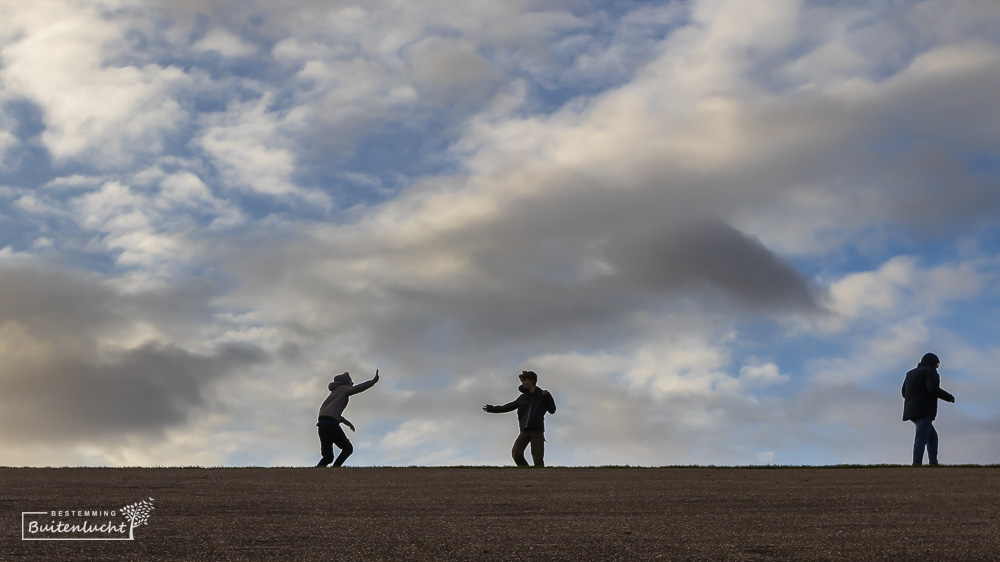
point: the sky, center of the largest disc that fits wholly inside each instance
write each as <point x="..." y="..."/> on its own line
<point x="721" y="231"/>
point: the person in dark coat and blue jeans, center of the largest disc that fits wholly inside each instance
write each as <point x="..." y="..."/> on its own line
<point x="531" y="406"/>
<point x="921" y="391"/>
<point x="331" y="416"/>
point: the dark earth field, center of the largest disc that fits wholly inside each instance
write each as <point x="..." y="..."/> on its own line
<point x="864" y="513"/>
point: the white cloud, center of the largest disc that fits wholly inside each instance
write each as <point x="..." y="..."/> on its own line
<point x="427" y="443"/>
<point x="123" y="219"/>
<point x="878" y="290"/>
<point x="183" y="189"/>
<point x="681" y="366"/>
<point x="254" y="154"/>
<point x="224" y="43"/>
<point x="60" y="56"/>
<point x="764" y="374"/>
<point x="38" y="203"/>
<point x="411" y="434"/>
<point x="900" y="287"/>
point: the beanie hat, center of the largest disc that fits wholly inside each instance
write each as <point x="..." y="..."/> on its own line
<point x="343" y="377"/>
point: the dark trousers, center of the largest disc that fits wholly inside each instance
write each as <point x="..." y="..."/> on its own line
<point x="330" y="435"/>
<point x="925" y="437"/>
<point x="537" y="440"/>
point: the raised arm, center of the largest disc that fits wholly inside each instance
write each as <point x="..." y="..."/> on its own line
<point x="361" y="387"/>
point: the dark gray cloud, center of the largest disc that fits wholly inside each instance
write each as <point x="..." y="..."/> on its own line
<point x="523" y="288"/>
<point x="712" y="255"/>
<point x="53" y="301"/>
<point x="49" y="301"/>
<point x="66" y="375"/>
<point x="139" y="391"/>
<point x="530" y="303"/>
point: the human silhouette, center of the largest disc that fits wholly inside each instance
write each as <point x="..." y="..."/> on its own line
<point x="331" y="417"/>
<point x="921" y="390"/>
<point x="531" y="407"/>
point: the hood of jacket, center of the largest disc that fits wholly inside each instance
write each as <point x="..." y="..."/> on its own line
<point x="339" y="380"/>
<point x="929" y="360"/>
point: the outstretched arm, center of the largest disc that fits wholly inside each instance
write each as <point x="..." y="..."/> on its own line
<point x="361" y="387"/>
<point x="509" y="407"/>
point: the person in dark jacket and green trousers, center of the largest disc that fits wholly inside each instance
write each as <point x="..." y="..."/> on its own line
<point x="921" y="391"/>
<point x="531" y="406"/>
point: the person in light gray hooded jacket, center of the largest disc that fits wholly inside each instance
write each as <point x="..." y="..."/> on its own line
<point x="331" y="415"/>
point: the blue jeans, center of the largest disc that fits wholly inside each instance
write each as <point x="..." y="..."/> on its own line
<point x="926" y="436"/>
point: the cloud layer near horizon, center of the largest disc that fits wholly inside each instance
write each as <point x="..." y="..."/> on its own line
<point x="720" y="230"/>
